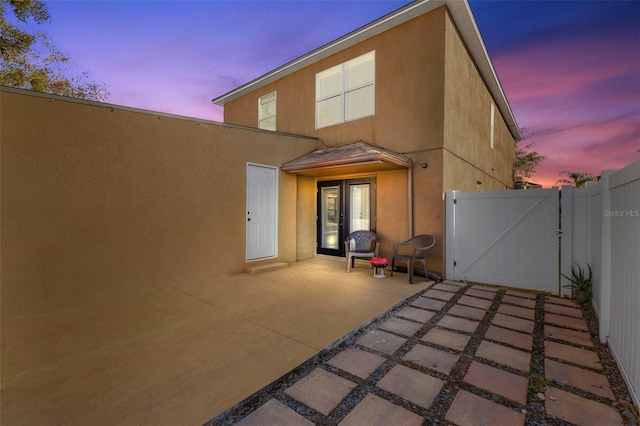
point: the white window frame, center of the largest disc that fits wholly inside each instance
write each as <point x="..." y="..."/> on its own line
<point x="341" y="94"/>
<point x="493" y="124"/>
<point x="263" y="119"/>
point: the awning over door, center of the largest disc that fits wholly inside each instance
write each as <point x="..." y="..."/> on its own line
<point x="357" y="157"/>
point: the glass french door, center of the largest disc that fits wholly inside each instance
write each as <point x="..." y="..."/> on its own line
<point x="344" y="206"/>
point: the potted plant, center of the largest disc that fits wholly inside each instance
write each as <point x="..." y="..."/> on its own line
<point x="580" y="283"/>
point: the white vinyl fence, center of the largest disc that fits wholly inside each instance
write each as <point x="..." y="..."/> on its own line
<point x="511" y="238"/>
<point x="504" y="237"/>
<point x="613" y="251"/>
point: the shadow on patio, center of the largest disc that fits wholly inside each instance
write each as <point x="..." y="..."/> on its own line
<point x="183" y="355"/>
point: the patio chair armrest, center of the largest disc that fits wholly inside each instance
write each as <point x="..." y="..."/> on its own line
<point x="404" y="243"/>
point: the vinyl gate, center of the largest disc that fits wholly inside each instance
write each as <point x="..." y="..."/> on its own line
<point x="507" y="238"/>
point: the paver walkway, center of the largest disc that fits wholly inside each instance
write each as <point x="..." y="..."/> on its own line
<point x="454" y="354"/>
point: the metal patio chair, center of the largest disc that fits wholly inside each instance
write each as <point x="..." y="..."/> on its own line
<point x="421" y="244"/>
<point x="361" y="245"/>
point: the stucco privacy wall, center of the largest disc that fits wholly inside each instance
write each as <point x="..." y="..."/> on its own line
<point x="100" y="201"/>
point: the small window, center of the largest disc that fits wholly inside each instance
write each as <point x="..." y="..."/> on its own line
<point x="267" y="112"/>
<point x="493" y="124"/>
<point x="346" y="92"/>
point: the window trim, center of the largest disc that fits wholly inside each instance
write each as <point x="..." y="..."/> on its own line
<point x="342" y="93"/>
<point x="262" y="119"/>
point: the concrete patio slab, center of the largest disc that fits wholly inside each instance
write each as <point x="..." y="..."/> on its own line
<point x="482" y="293"/>
<point x="415" y="314"/>
<point x="427" y="303"/>
<point x="467" y="312"/>
<point x="460" y="324"/>
<point x="275" y="413"/>
<point x="565" y="321"/>
<point x="375" y="411"/>
<point x="401" y="326"/>
<point x="519" y="301"/>
<point x="357" y="362"/>
<point x="500" y="382"/>
<point x="517" y="311"/>
<point x="500" y="354"/>
<point x="321" y="390"/>
<point x="589" y="381"/>
<point x="475" y="302"/>
<point x="438" y="374"/>
<point x="411" y="385"/>
<point x="587" y="358"/>
<point x="446" y="338"/>
<point x="580" y="411"/>
<point x="572" y="336"/>
<point x="432" y="358"/>
<point x="472" y="410"/>
<point x="514" y="323"/>
<point x="510" y="337"/>
<point x="381" y="341"/>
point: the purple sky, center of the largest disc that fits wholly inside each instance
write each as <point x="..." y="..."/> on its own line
<point x="570" y="69"/>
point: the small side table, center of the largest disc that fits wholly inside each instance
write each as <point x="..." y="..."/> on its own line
<point x="379" y="263"/>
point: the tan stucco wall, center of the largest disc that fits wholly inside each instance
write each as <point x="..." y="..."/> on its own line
<point x="305" y="219"/>
<point x="431" y="104"/>
<point x="409" y="91"/>
<point x="100" y="202"/>
<point x="469" y="157"/>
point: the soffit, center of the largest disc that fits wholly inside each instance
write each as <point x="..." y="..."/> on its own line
<point x="357" y="157"/>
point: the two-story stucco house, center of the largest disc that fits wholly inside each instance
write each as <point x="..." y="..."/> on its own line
<point x="405" y="108"/>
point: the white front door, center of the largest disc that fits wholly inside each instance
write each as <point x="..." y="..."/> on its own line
<point x="261" y="211"/>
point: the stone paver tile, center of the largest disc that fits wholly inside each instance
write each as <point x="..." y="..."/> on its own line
<point x="456" y="283"/>
<point x="426" y="303"/>
<point x="563" y="310"/>
<point x="560" y="301"/>
<point x="500" y="382"/>
<point x="517" y="311"/>
<point x="475" y="302"/>
<point x="411" y="385"/>
<point x="564" y="321"/>
<point x="524" y="294"/>
<point x="445" y="338"/>
<point x="274" y="413"/>
<point x="472" y="410"/>
<point x="572" y="354"/>
<point x="486" y="288"/>
<point x="375" y="411"/>
<point x="382" y="342"/>
<point x="514" y="358"/>
<point x="439" y="294"/>
<point x="519" y="301"/>
<point x="513" y="323"/>
<point x="357" y="362"/>
<point x="573" y="336"/>
<point x="456" y="323"/>
<point x="416" y="314"/>
<point x="475" y="292"/>
<point x="447" y="287"/>
<point x="467" y="312"/>
<point x="400" y="326"/>
<point x="577" y="377"/>
<point x="321" y="390"/>
<point x="510" y="337"/>
<point x="432" y="358"/>
<point x="580" y="411"/>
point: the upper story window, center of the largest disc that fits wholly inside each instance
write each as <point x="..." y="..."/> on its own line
<point x="267" y="112"/>
<point x="346" y="92"/>
<point x="493" y="124"/>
